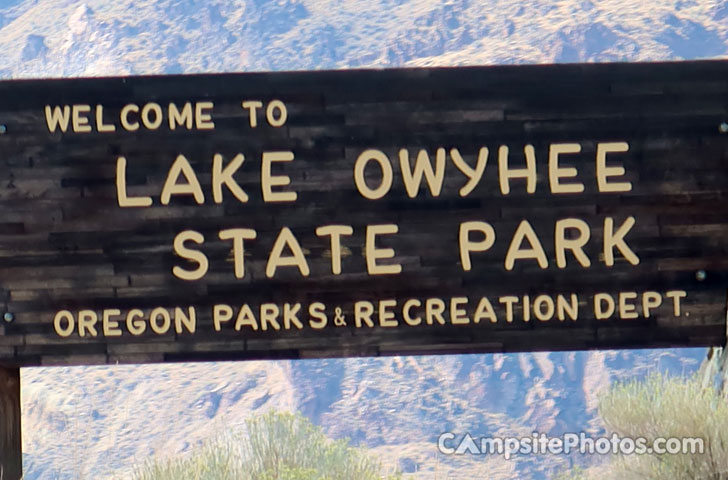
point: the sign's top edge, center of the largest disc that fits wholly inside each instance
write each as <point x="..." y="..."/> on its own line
<point x="592" y="67"/>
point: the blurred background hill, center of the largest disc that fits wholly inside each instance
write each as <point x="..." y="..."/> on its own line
<point x="97" y="422"/>
<point x="70" y="38"/>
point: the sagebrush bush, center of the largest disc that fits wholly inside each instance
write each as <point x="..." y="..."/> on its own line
<point x="275" y="446"/>
<point x="664" y="406"/>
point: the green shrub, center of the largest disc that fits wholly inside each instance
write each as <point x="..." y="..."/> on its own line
<point x="279" y="445"/>
<point x="276" y="446"/>
<point x="216" y="460"/>
<point x="662" y="406"/>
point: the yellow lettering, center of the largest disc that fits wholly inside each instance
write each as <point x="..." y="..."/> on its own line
<point x="408" y="305"/>
<point x="676" y="296"/>
<point x="276" y="119"/>
<point x="252" y="106"/>
<point x="627" y="311"/>
<point x="224" y="176"/>
<point x="203" y="118"/>
<point x="601" y="311"/>
<point x="80" y="119"/>
<point x="458" y="316"/>
<point x="564" y="307"/>
<point x="363" y="312"/>
<point x="650" y="301"/>
<point x="318" y="318"/>
<point x="124" y="117"/>
<point x="386" y="316"/>
<point x="246" y="317"/>
<point x="614" y="240"/>
<point x="508" y="301"/>
<point x="238" y="236"/>
<point x="135" y="322"/>
<point x="556" y="173"/>
<point x="110" y="327"/>
<point x="191" y="186"/>
<point x="484" y="311"/>
<point x="188" y="320"/>
<point x="536" y="251"/>
<point x="57" y="118"/>
<point x="373" y="253"/>
<point x="87" y="321"/>
<point x="505" y="173"/>
<point x="543" y="308"/>
<point x="474" y="174"/>
<point x="268" y="314"/>
<point x="268" y="180"/>
<point x="434" y="308"/>
<point x="121" y="196"/>
<point x="180" y="118"/>
<point x="157" y="313"/>
<point x="290" y="316"/>
<point x="100" y="125"/>
<point x="604" y="172"/>
<point x="335" y="232"/>
<point x="423" y="167"/>
<point x="562" y="243"/>
<point x="188" y="254"/>
<point x="386" y="169"/>
<point x="60" y="317"/>
<point x="221" y="313"/>
<point x="297" y="259"/>
<point x="152" y="108"/>
<point x="467" y="245"/>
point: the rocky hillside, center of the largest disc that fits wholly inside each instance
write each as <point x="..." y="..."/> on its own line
<point x="43" y="38"/>
<point x="98" y="422"/>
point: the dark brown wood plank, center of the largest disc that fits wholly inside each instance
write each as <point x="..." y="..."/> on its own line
<point x="11" y="461"/>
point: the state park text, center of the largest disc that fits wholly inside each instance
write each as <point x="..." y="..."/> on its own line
<point x="422" y="172"/>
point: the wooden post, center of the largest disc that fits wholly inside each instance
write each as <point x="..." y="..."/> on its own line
<point x="11" y="457"/>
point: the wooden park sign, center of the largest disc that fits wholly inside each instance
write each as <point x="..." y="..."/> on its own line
<point x="342" y="213"/>
<point x="316" y="214"/>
